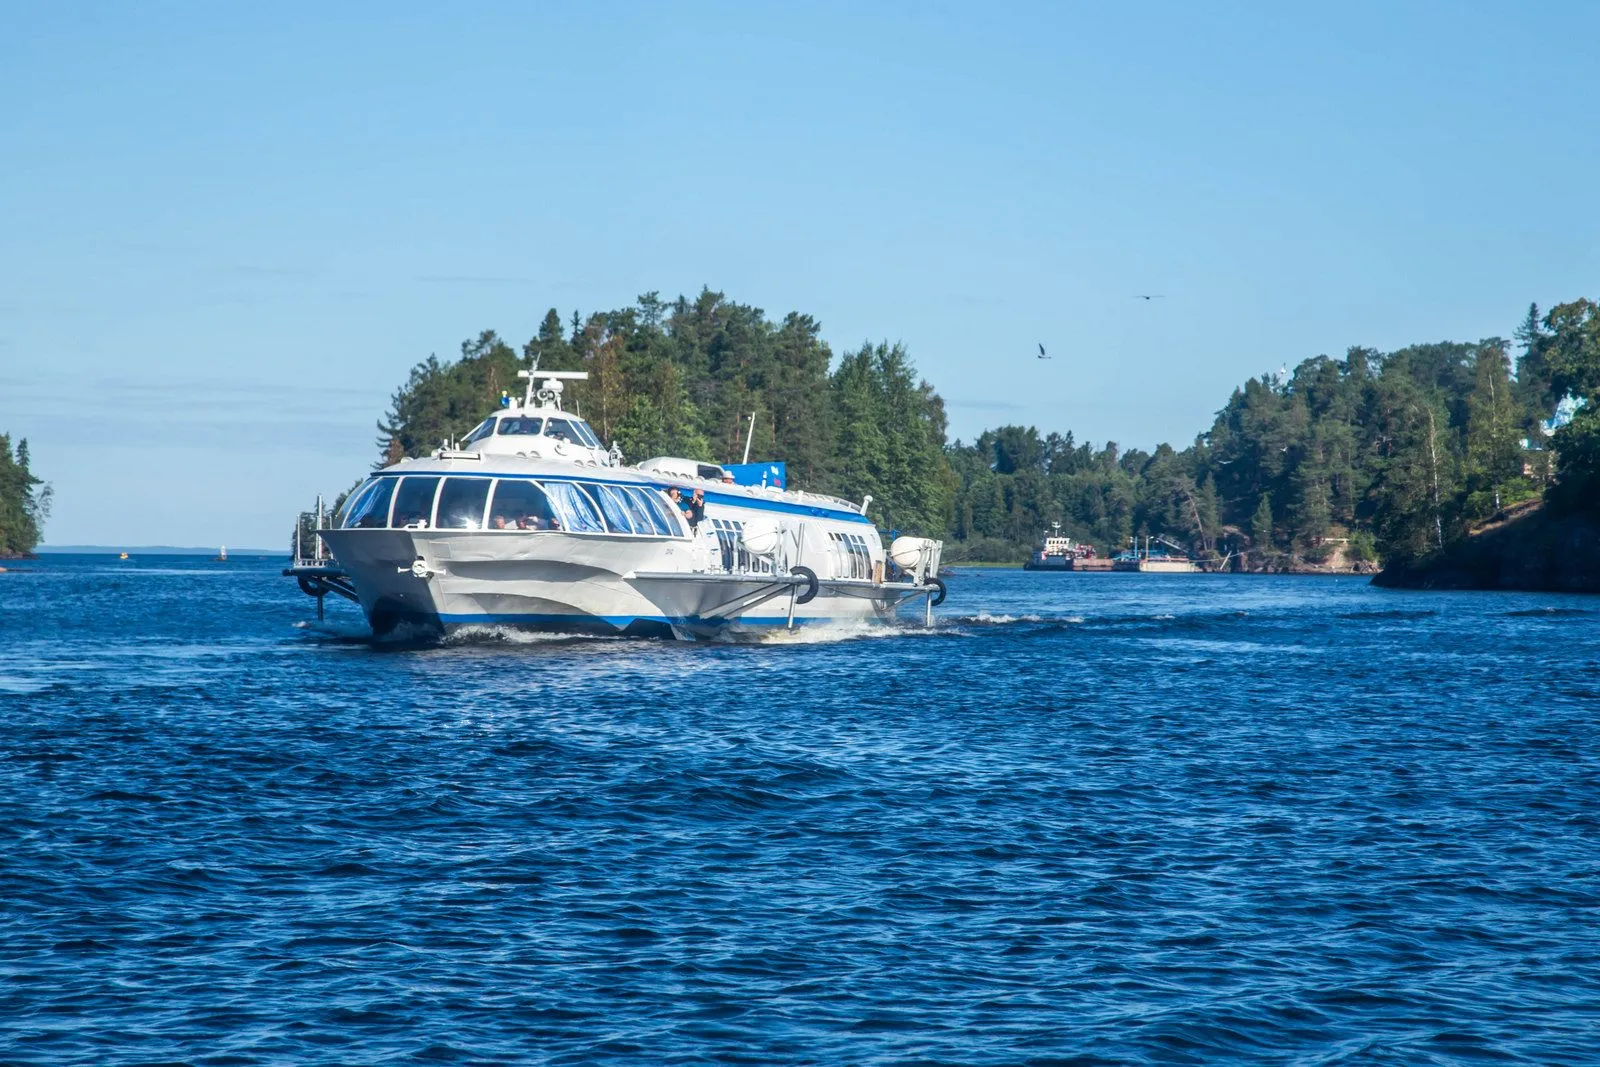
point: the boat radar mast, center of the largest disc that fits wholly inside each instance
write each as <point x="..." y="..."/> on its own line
<point x="545" y="386"/>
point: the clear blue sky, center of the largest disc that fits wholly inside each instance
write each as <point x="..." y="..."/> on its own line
<point x="228" y="230"/>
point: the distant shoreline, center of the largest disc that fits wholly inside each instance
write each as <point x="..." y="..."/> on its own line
<point x="150" y="550"/>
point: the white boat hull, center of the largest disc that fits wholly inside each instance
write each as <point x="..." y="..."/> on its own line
<point x="447" y="580"/>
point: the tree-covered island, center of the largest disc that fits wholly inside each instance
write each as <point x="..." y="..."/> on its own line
<point x="1393" y="456"/>
<point x="24" y="501"/>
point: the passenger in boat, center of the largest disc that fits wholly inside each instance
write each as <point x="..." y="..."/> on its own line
<point x="696" y="511"/>
<point x="537" y="522"/>
<point x="499" y="523"/>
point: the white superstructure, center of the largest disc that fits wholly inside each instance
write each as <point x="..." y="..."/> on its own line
<point x="530" y="521"/>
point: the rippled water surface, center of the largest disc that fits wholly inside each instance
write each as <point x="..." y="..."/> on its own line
<point x="1087" y="818"/>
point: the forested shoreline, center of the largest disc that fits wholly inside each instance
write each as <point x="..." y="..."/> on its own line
<point x="1371" y="456"/>
<point x="24" y="501"/>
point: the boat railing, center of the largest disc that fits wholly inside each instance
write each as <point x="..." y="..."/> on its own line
<point x="804" y="497"/>
<point x="309" y="548"/>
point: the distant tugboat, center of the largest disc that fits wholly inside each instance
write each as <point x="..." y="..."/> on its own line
<point x="1154" y="561"/>
<point x="1057" y="553"/>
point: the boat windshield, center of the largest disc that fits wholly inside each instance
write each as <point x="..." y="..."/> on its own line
<point x="369" y="506"/>
<point x="524" y="426"/>
<point x="483" y="429"/>
<point x="561" y="430"/>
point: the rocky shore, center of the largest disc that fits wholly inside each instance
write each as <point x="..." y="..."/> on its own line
<point x="1529" y="549"/>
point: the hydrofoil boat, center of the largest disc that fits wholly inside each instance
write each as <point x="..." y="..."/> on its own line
<point x="530" y="522"/>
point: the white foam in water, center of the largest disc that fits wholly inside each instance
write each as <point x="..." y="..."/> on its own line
<point x="512" y="635"/>
<point x="826" y="633"/>
<point x="819" y="633"/>
<point x="346" y="631"/>
<point x="985" y="617"/>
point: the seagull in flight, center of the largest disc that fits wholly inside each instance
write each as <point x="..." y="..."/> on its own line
<point x="1041" y="352"/>
<point x="1148" y="296"/>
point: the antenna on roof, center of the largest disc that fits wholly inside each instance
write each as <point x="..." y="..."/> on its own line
<point x="546" y="386"/>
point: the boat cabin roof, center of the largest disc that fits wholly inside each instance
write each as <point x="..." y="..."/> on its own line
<point x="692" y="469"/>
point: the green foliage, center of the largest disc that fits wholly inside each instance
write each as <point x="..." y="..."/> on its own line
<point x="1261" y="525"/>
<point x="1397" y="451"/>
<point x="1572" y="355"/>
<point x="1363" y="547"/>
<point x="24" y="500"/>
<point x="1493" y="460"/>
<point x="446" y="400"/>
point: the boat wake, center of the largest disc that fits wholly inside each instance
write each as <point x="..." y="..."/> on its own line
<point x="830" y="633"/>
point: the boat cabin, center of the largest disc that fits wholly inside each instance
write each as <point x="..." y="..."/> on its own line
<point x="536" y="427"/>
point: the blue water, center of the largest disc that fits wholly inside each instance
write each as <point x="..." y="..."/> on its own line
<point x="1088" y="818"/>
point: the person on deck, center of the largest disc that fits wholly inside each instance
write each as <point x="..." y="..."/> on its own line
<point x="696" y="511"/>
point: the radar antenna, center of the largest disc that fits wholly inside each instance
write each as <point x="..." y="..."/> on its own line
<point x="546" y="386"/>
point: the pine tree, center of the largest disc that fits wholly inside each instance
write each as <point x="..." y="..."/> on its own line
<point x="1493" y="454"/>
<point x="862" y="459"/>
<point x="1573" y="353"/>
<point x="1261" y="526"/>
<point x="1534" y="393"/>
<point x="24" y="500"/>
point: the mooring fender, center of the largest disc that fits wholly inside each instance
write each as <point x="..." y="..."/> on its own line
<point x="938" y="598"/>
<point x="811" y="584"/>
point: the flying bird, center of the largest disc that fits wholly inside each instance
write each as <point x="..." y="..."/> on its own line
<point x="1041" y="352"/>
<point x="1148" y="296"/>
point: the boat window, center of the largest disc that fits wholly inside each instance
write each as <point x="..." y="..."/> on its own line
<point x="461" y="503"/>
<point x="562" y="430"/>
<point x="521" y="505"/>
<point x="369" y="508"/>
<point x="614" y="504"/>
<point x="574" y="508"/>
<point x="853" y="559"/>
<point x="524" y="426"/>
<point x="585" y="434"/>
<point x="728" y="532"/>
<point x="351" y="501"/>
<point x="413" y="502"/>
<point x="709" y="472"/>
<point x="665" y="516"/>
<point x="643" y="521"/>
<point x="735" y="557"/>
<point x="484" y="429"/>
